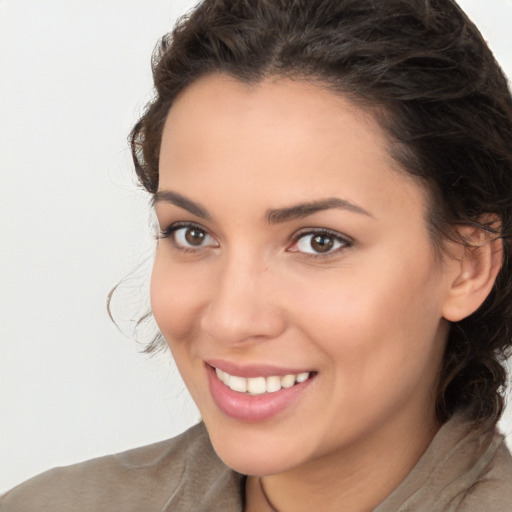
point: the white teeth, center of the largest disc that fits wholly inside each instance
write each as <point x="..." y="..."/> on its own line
<point x="260" y="385"/>
<point x="273" y="384"/>
<point x="288" y="381"/>
<point x="302" y="377"/>
<point x="223" y="376"/>
<point x="257" y="385"/>
<point x="238" y="384"/>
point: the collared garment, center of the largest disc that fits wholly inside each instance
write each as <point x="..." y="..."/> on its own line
<point x="463" y="470"/>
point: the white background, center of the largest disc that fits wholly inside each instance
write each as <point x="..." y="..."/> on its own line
<point x="74" y="77"/>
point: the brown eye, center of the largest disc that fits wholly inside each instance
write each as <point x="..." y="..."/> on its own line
<point x="192" y="237"/>
<point x="320" y="243"/>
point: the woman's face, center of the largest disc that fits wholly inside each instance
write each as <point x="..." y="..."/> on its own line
<point x="292" y="246"/>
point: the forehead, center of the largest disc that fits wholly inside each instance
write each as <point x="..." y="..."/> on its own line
<point x="289" y="108"/>
<point x="280" y="140"/>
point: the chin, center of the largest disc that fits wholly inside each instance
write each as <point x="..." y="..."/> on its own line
<point x="256" y="452"/>
<point x="255" y="462"/>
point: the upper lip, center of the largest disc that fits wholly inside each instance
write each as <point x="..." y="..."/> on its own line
<point x="254" y="370"/>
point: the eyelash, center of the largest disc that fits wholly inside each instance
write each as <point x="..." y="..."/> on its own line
<point x="343" y="241"/>
<point x="169" y="233"/>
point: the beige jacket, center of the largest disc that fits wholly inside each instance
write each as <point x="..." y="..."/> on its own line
<point x="463" y="470"/>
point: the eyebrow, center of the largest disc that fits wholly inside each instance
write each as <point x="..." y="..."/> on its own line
<point x="168" y="196"/>
<point x="272" y="216"/>
<point x="302" y="210"/>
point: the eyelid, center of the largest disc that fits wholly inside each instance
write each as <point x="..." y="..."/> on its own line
<point x="345" y="240"/>
<point x="168" y="232"/>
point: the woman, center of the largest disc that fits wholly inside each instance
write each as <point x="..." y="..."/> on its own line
<point x="333" y="186"/>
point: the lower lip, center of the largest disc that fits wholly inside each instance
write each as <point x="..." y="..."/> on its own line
<point x="244" y="407"/>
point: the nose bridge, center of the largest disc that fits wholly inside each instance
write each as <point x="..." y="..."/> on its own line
<point x="242" y="305"/>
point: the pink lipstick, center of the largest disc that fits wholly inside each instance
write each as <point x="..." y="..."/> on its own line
<point x="257" y="392"/>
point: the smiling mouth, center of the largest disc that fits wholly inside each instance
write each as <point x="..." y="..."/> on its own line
<point x="261" y="385"/>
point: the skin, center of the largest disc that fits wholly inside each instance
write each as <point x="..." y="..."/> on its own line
<point x="368" y="316"/>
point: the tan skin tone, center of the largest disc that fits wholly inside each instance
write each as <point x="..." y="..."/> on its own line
<point x="367" y="311"/>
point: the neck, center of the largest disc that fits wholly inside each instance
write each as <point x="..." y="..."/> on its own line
<point x="356" y="479"/>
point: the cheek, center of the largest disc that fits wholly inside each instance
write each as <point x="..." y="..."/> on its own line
<point x="175" y="299"/>
<point x="370" y="318"/>
<point x="380" y="345"/>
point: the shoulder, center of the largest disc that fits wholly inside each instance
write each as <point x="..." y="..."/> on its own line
<point x="492" y="490"/>
<point x="168" y="475"/>
<point x="465" y="469"/>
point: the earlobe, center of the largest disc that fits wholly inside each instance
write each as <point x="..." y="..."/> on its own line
<point x="474" y="272"/>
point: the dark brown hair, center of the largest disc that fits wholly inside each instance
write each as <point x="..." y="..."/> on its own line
<point x="435" y="88"/>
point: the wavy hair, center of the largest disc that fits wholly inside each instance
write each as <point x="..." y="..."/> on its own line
<point x="424" y="70"/>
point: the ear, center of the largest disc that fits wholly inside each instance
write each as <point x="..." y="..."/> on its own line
<point x="473" y="271"/>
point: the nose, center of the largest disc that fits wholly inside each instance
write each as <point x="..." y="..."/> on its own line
<point x="243" y="304"/>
